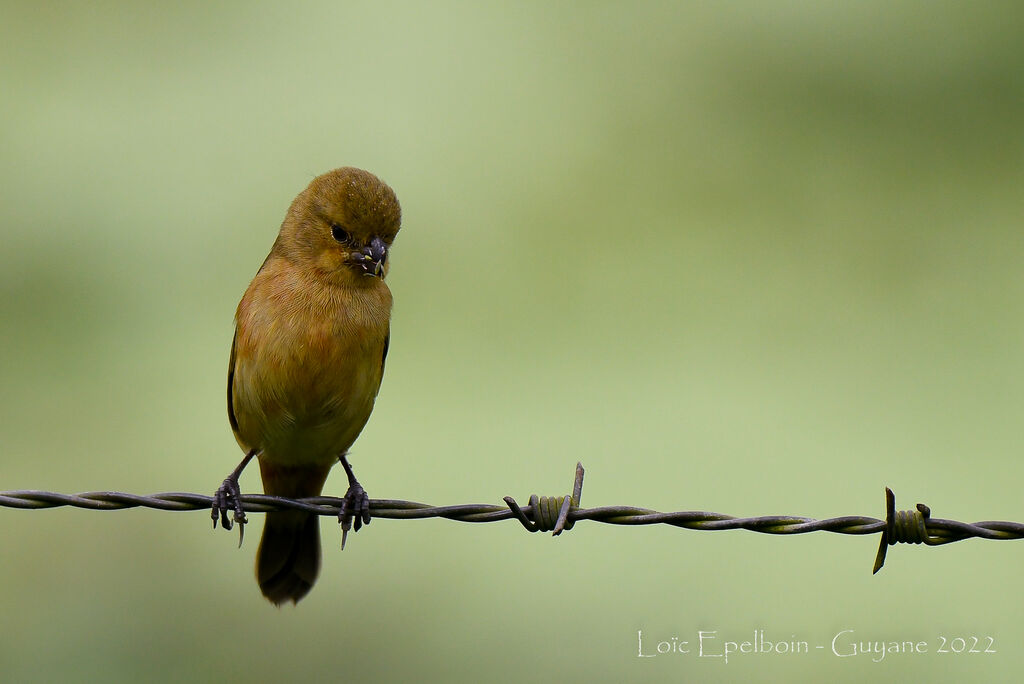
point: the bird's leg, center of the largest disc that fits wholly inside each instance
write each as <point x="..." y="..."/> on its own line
<point x="355" y="505"/>
<point x="228" y="496"/>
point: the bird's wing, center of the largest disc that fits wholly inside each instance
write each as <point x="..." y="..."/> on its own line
<point x="231" y="374"/>
<point x="231" y="382"/>
<point x="384" y="356"/>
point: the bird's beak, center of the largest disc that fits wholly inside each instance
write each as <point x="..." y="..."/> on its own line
<point x="373" y="257"/>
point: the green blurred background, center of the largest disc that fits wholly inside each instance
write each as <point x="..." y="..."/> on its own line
<point x="755" y="258"/>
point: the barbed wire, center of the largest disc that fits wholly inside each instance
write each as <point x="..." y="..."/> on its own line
<point x="559" y="513"/>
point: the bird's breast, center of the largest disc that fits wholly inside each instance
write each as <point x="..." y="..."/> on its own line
<point x="307" y="371"/>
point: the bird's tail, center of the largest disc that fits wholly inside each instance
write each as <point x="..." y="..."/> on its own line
<point x="288" y="560"/>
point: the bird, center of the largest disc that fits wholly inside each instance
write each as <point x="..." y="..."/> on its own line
<point x="311" y="339"/>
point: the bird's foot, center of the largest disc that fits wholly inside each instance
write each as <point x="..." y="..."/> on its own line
<point x="355" y="508"/>
<point x="228" y="497"/>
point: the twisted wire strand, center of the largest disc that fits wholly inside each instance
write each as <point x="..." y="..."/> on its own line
<point x="944" y="530"/>
<point x="553" y="514"/>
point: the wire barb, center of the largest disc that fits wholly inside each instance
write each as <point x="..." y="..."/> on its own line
<point x="550" y="513"/>
<point x="905" y="527"/>
<point x="556" y="514"/>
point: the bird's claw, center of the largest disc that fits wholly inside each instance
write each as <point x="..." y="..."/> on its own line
<point x="355" y="507"/>
<point x="229" y="497"/>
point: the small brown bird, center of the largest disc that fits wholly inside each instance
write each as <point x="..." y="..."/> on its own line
<point x="311" y="338"/>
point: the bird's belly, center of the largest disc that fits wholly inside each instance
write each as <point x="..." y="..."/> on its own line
<point x="298" y="437"/>
<point x="306" y="408"/>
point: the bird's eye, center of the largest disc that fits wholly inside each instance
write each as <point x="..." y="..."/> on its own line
<point x="339" y="233"/>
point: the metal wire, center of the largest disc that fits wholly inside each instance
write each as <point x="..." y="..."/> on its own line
<point x="557" y="514"/>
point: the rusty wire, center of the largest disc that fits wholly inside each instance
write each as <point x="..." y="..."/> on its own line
<point x="556" y="514"/>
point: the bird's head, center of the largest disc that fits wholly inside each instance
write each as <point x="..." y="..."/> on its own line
<point x="342" y="225"/>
